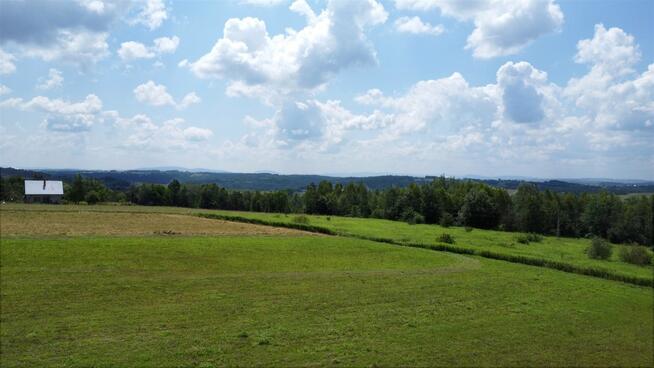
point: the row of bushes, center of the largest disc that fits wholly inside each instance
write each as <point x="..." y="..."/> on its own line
<point x="634" y="254"/>
<point x="447" y="247"/>
<point x="290" y="225"/>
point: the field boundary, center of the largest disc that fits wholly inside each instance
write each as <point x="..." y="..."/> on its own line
<point x="531" y="261"/>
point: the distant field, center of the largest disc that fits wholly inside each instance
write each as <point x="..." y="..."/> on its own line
<point x="253" y="300"/>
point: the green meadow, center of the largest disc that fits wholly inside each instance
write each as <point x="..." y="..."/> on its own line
<point x="254" y="298"/>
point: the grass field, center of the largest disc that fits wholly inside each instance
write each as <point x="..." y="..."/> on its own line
<point x="16" y="223"/>
<point x="99" y="297"/>
<point x="563" y="250"/>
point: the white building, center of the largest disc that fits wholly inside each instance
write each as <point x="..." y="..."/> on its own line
<point x="43" y="191"/>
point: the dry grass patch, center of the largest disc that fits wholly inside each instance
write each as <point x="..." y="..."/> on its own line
<point x="32" y="223"/>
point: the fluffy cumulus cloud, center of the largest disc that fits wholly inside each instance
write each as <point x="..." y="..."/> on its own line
<point x="522" y="91"/>
<point x="157" y="95"/>
<point x="62" y="115"/>
<point x="151" y="13"/>
<point x="142" y="133"/>
<point x="605" y="114"/>
<point x="502" y="27"/>
<point x="4" y="90"/>
<point x="55" y="79"/>
<point x="415" y="25"/>
<point x="297" y="60"/>
<point x="310" y="126"/>
<point x="71" y="31"/>
<point x="613" y="93"/>
<point x="7" y="65"/>
<point x="132" y="50"/>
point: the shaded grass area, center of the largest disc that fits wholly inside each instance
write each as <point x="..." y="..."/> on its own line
<point x="299" y="301"/>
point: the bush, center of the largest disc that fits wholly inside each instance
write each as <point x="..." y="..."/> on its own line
<point x="413" y="218"/>
<point x="532" y="237"/>
<point x="599" y="249"/>
<point x="635" y="254"/>
<point x="528" y="238"/>
<point x="468" y="229"/>
<point x="92" y="197"/>
<point x="522" y="239"/>
<point x="447" y="220"/>
<point x="300" y="219"/>
<point x="446" y="238"/>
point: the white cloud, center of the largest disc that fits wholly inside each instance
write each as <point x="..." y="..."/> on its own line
<point x="502" y="27"/>
<point x="521" y="85"/>
<point x="311" y="125"/>
<point x="166" y="45"/>
<point x="609" y="49"/>
<point x="39" y="22"/>
<point x="157" y="95"/>
<point x="415" y="25"/>
<point x="95" y="6"/>
<point x="195" y="134"/>
<point x="55" y="80"/>
<point x="91" y="105"/>
<point x="132" y="50"/>
<point x="7" y="65"/>
<point x="263" y="2"/>
<point x="144" y="134"/>
<point x="612" y="93"/>
<point x="298" y="60"/>
<point x="61" y="115"/>
<point x="151" y="14"/>
<point x="72" y="31"/>
<point x="78" y="48"/>
<point x="4" y="90"/>
<point x="188" y="100"/>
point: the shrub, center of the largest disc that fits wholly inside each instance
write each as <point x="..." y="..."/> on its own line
<point x="92" y="197"/>
<point x="522" y="239"/>
<point x="300" y="219"/>
<point x="447" y="220"/>
<point x="413" y="218"/>
<point x="446" y="238"/>
<point x="528" y="238"/>
<point x="599" y="249"/>
<point x="468" y="229"/>
<point x="532" y="237"/>
<point x="635" y="254"/>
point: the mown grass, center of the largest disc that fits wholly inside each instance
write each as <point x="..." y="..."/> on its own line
<point x="85" y="223"/>
<point x="303" y="301"/>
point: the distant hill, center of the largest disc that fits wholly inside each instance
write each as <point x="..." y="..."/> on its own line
<point x="120" y="180"/>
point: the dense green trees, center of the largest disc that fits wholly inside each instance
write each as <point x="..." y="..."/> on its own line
<point x="443" y="200"/>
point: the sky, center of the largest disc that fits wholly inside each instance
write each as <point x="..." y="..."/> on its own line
<point x="540" y="88"/>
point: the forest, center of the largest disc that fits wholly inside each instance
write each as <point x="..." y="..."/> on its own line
<point x="444" y="201"/>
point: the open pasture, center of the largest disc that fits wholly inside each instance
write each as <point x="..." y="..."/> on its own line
<point x="250" y="300"/>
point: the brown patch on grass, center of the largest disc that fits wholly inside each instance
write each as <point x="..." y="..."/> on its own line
<point x="32" y="223"/>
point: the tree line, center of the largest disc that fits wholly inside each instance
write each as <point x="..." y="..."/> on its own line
<point x="444" y="201"/>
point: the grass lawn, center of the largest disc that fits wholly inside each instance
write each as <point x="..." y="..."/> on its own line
<point x="266" y="300"/>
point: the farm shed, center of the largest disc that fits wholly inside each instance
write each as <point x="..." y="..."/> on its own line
<point x="43" y="191"/>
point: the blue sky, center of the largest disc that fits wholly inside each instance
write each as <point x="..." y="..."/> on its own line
<point x="522" y="87"/>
